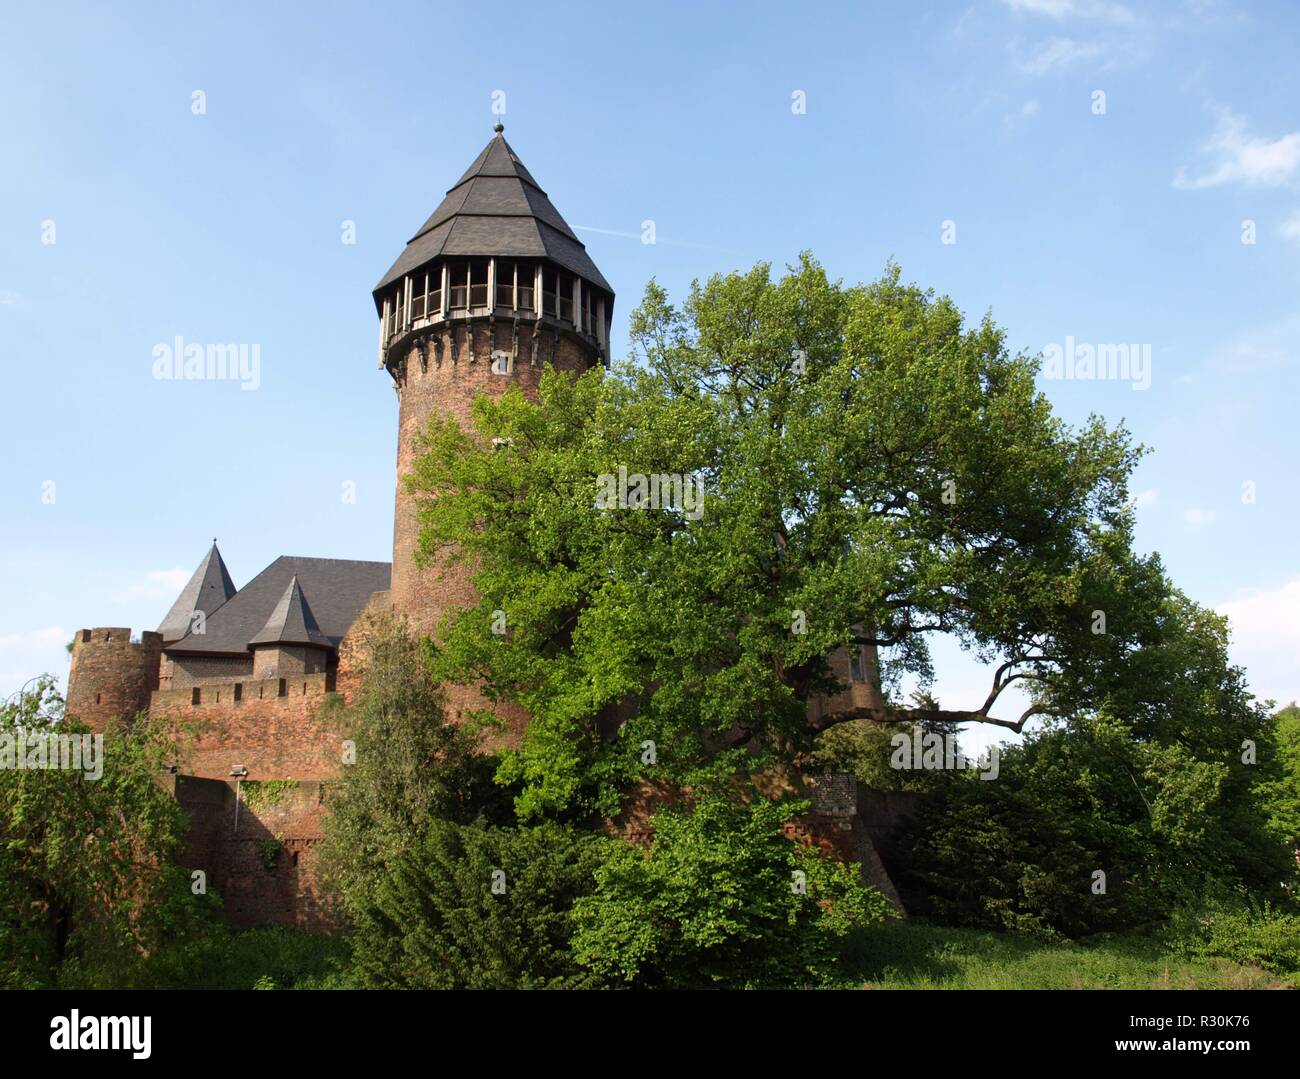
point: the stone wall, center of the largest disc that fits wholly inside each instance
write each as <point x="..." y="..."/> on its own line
<point x="443" y="375"/>
<point x="275" y="728"/>
<point x="111" y="676"/>
<point x="261" y="859"/>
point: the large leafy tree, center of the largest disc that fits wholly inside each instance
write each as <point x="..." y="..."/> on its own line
<point x="88" y="883"/>
<point x="875" y="471"/>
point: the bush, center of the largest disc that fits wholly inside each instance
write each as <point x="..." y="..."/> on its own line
<point x="1244" y="932"/>
<point x="437" y="922"/>
<point x="722" y="899"/>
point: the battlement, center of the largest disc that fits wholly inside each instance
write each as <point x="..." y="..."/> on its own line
<point x="242" y="691"/>
<point x="112" y="674"/>
<point x="276" y="728"/>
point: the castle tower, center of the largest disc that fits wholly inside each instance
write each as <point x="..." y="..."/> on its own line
<point x="112" y="676"/>
<point x="492" y="287"/>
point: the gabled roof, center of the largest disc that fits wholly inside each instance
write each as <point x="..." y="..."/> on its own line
<point x="292" y="621"/>
<point x="207" y="591"/>
<point x="339" y="589"/>
<point x="496" y="209"/>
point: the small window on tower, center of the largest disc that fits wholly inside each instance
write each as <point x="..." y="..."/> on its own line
<point x="566" y="297"/>
<point x="525" y="274"/>
<point x="505" y="284"/>
<point x="458" y="275"/>
<point x="478" y="283"/>
<point x="550" y="285"/>
<point x="435" y="291"/>
<point x="855" y="665"/>
<point x="419" y="286"/>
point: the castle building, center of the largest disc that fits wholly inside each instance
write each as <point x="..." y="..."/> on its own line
<point x="491" y="289"/>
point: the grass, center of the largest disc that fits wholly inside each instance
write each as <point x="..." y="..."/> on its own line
<point x="918" y="955"/>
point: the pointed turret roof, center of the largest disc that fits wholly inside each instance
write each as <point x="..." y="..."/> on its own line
<point x="206" y="591"/>
<point x="292" y="621"/>
<point x="496" y="209"/>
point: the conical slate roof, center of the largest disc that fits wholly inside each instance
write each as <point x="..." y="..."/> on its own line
<point x="292" y="621"/>
<point x="496" y="209"/>
<point x="206" y="591"/>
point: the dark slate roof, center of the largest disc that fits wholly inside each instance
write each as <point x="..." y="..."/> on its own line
<point x="496" y="208"/>
<point x="292" y="621"/>
<point x="206" y="591"/>
<point x="338" y="588"/>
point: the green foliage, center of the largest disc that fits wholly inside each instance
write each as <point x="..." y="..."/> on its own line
<point x="863" y="749"/>
<point x="1245" y="932"/>
<point x="1163" y="804"/>
<point x="268" y="849"/>
<point x="263" y="794"/>
<point x="411" y="766"/>
<point x="274" y="957"/>
<point x="920" y="955"/>
<point x="1281" y="792"/>
<point x="829" y="426"/>
<point x="87" y="878"/>
<point x="714" y="903"/>
<point x="437" y="922"/>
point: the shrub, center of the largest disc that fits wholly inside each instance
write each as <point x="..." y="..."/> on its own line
<point x="722" y="899"/>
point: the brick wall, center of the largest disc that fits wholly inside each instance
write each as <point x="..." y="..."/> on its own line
<point x="185" y="671"/>
<point x="437" y="384"/>
<point x="262" y="860"/>
<point x="110" y="676"/>
<point x="273" y="736"/>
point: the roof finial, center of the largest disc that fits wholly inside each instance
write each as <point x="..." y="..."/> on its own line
<point x="498" y="127"/>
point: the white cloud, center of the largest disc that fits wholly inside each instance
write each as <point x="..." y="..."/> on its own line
<point x="1290" y="229"/>
<point x="158" y="584"/>
<point x="31" y="652"/>
<point x="1029" y="108"/>
<point x="1145" y="498"/>
<point x="1057" y="54"/>
<point x="1266" y="639"/>
<point x="1199" y="518"/>
<point x="1085" y="9"/>
<point x="1239" y="157"/>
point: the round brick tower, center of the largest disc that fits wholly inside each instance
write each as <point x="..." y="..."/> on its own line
<point x="112" y="676"/>
<point x="492" y="288"/>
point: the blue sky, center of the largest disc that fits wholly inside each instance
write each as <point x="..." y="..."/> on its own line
<point x="1122" y="226"/>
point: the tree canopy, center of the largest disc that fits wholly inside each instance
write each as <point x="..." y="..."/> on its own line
<point x="874" y="471"/>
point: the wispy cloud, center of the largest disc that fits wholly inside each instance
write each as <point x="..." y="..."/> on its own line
<point x="1290" y="229"/>
<point x="1239" y="157"/>
<point x="1058" y="54"/>
<point x="1060" y="10"/>
<point x="1142" y="499"/>
<point x="1199" y="518"/>
<point x="158" y="584"/>
<point x="1266" y="638"/>
<point x="31" y="652"/>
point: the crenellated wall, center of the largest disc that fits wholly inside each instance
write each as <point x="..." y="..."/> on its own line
<point x="112" y="676"/>
<point x="276" y="728"/>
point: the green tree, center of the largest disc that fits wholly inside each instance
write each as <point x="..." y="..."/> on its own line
<point x="1155" y="789"/>
<point x="87" y="877"/>
<point x="874" y="472"/>
<point x="473" y="906"/>
<point x="408" y="765"/>
<point x="1281" y="792"/>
